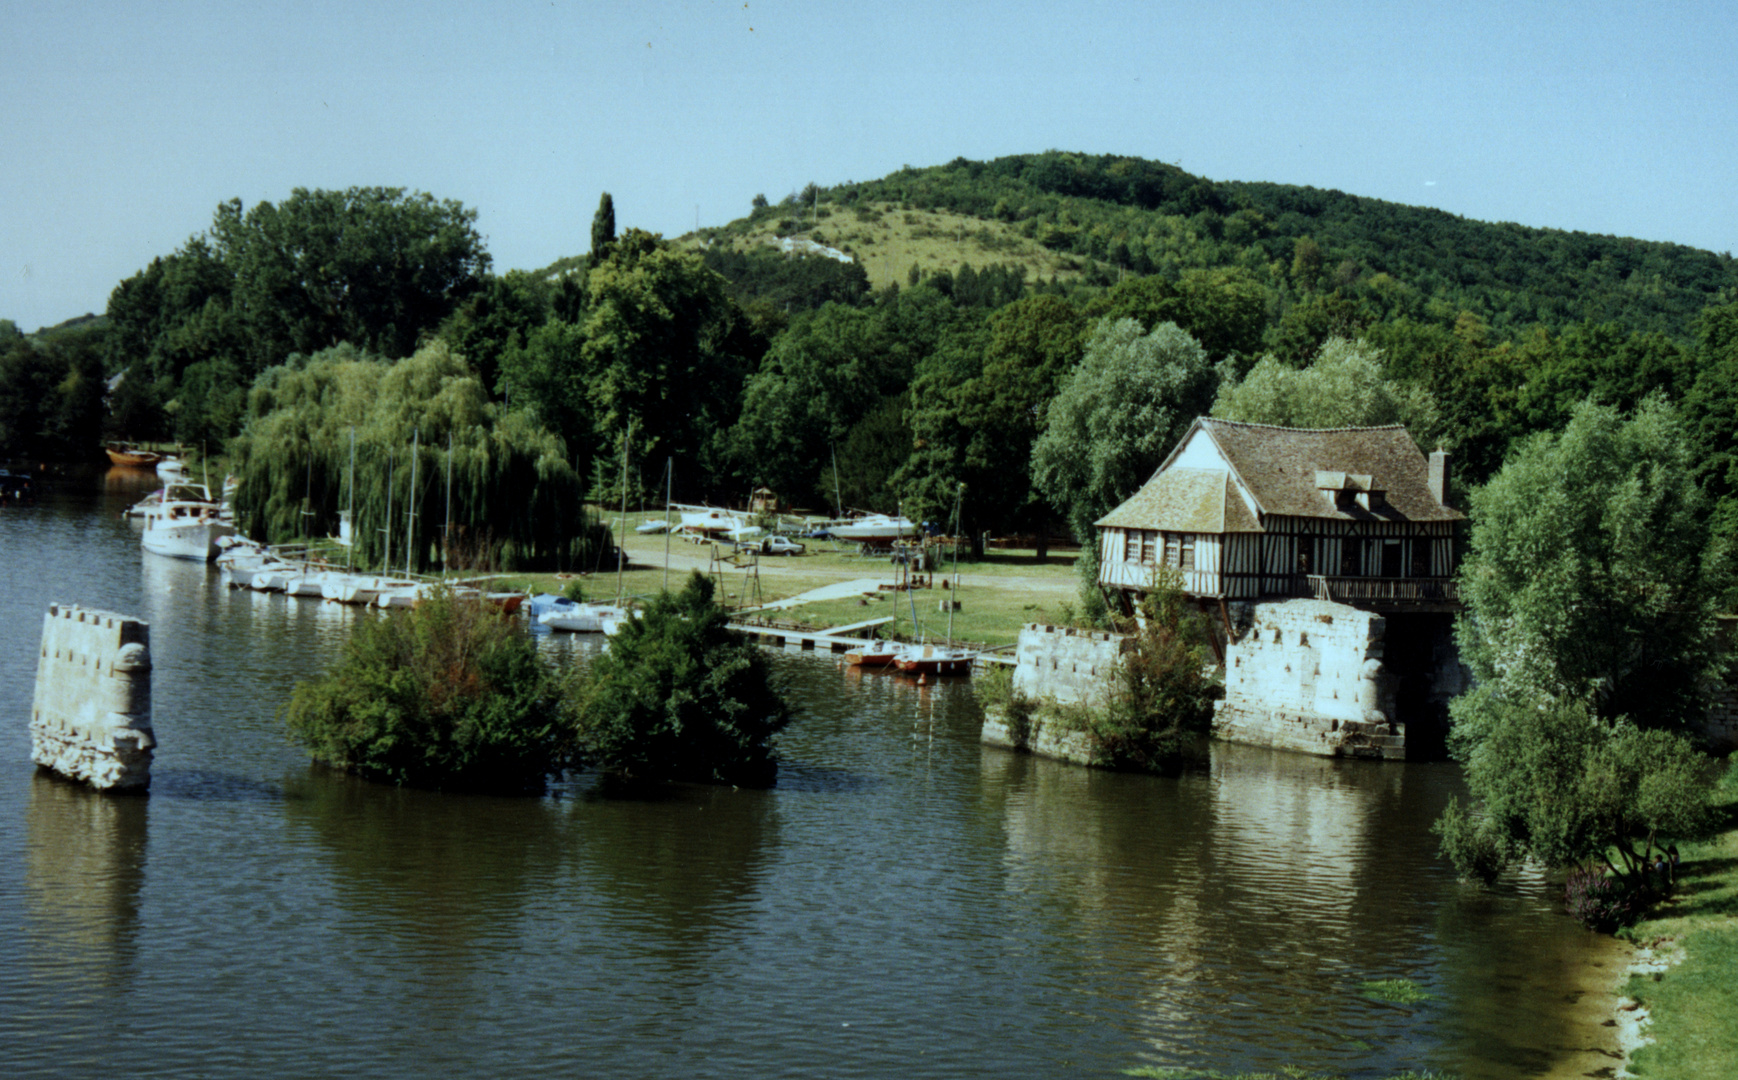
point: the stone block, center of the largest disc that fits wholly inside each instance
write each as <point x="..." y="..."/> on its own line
<point x="91" y="716"/>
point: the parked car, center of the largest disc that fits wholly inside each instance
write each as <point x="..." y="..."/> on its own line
<point x="770" y="545"/>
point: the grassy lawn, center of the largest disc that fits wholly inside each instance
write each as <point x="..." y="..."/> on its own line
<point x="997" y="595"/>
<point x="1694" y="1004"/>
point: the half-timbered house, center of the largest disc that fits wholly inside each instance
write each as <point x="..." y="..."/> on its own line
<point x="1357" y="516"/>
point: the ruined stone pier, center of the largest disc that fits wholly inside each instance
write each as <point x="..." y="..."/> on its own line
<point x="91" y="718"/>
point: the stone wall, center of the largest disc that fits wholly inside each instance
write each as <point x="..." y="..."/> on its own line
<point x="1056" y="665"/>
<point x="1065" y="665"/>
<point x="1307" y="675"/>
<point x="91" y="718"/>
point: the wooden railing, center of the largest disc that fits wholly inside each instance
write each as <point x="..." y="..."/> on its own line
<point x="1354" y="590"/>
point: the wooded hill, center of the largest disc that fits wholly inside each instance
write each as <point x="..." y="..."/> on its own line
<point x="1093" y="219"/>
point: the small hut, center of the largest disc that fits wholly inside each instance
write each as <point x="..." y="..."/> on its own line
<point x="764" y="500"/>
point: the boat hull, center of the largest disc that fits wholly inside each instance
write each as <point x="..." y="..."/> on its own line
<point x="935" y="660"/>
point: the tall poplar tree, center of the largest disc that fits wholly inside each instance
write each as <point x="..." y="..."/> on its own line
<point x="603" y="228"/>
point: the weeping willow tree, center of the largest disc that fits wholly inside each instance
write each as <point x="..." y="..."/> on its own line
<point x="516" y="499"/>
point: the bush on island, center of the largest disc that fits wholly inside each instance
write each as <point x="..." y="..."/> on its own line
<point x="1164" y="691"/>
<point x="679" y="697"/>
<point x="446" y="695"/>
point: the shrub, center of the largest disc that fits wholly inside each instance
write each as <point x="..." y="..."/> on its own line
<point x="1164" y="690"/>
<point x="1603" y="903"/>
<point x="445" y="695"/>
<point x="1476" y="846"/>
<point x="680" y="697"/>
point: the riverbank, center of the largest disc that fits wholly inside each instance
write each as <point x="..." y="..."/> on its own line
<point x="1681" y="999"/>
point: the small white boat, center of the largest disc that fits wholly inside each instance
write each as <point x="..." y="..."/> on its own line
<point x="655" y="525"/>
<point x="185" y="524"/>
<point x="172" y="468"/>
<point x="580" y="618"/>
<point x="875" y="529"/>
<point x="876" y="654"/>
<point x="935" y="660"/>
<point x="348" y="588"/>
<point x="399" y="593"/>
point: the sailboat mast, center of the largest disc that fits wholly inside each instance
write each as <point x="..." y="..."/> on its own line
<point x="669" y="480"/>
<point x="447" y="530"/>
<point x="838" y="499"/>
<point x="410" y="503"/>
<point x="350" y="507"/>
<point x="621" y="553"/>
<point x="386" y="561"/>
<point x="953" y="598"/>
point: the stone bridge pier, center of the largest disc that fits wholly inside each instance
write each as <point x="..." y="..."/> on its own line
<point x="91" y="717"/>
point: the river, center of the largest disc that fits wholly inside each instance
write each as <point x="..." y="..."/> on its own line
<point x="905" y="902"/>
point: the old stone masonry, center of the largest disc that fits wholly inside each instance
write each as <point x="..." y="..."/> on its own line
<point x="91" y="719"/>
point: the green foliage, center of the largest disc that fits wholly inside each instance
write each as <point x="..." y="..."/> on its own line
<point x="1590" y="577"/>
<point x="664" y="350"/>
<point x="372" y="266"/>
<point x="1343" y="387"/>
<point x="1394" y="991"/>
<point x="785" y="282"/>
<point x="1116" y="415"/>
<point x="1163" y="695"/>
<point x="514" y="495"/>
<point x="1477" y="844"/>
<point x="445" y="695"/>
<point x="603" y="226"/>
<point x="1565" y="787"/>
<point x="680" y="697"/>
<point x="51" y="395"/>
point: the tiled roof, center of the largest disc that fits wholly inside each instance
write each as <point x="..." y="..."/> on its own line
<point x="1279" y="467"/>
<point x="1185" y="500"/>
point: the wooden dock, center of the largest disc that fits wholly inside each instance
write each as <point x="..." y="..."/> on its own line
<point x="837" y="639"/>
<point x="834" y="639"/>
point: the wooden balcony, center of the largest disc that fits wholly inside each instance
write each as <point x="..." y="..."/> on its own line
<point x="1438" y="594"/>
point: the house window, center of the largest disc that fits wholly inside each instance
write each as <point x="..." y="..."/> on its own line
<point x="1141" y="546"/>
<point x="1180" y="550"/>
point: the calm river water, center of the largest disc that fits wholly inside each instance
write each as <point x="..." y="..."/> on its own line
<point x="905" y="903"/>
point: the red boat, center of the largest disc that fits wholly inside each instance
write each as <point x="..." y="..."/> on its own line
<point x="935" y="660"/>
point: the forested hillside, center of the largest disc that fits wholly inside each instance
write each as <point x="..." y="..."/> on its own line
<point x="1004" y="326"/>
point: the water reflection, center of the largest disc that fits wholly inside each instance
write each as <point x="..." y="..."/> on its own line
<point x="84" y="856"/>
<point x="445" y="875"/>
<point x="681" y="865"/>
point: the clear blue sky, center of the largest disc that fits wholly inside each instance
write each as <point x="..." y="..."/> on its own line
<point x="126" y="124"/>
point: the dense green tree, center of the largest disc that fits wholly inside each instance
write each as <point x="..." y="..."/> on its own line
<point x="444" y="695"/>
<point x="1561" y="786"/>
<point x="603" y="227"/>
<point x="678" y="696"/>
<point x="51" y="394"/>
<point x="977" y="411"/>
<point x="373" y="266"/>
<point x="500" y="316"/>
<point x="822" y="377"/>
<point x="1590" y="579"/>
<point x="665" y="351"/>
<point x="1343" y="387"/>
<point x="1225" y="309"/>
<point x="1116" y="415"/>
<point x="1590" y="588"/>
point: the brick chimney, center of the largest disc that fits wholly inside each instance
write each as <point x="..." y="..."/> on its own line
<point x="1439" y="489"/>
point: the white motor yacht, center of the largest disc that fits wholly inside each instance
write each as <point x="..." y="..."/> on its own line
<point x="185" y="524"/>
